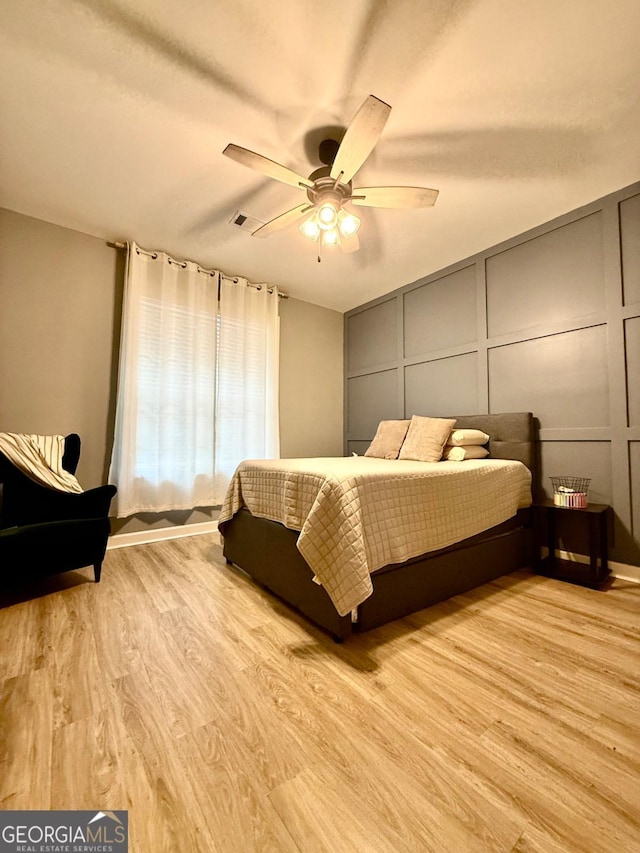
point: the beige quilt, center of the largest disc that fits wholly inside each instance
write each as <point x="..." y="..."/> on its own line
<point x="357" y="514"/>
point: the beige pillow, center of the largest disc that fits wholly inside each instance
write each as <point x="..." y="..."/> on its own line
<point x="466" y="437"/>
<point x="426" y="438"/>
<point x="388" y="439"/>
<point x="459" y="454"/>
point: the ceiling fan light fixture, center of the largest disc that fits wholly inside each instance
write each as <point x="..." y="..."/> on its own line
<point x="323" y="219"/>
<point x="327" y="215"/>
<point x="330" y="237"/>
<point x="348" y="223"/>
<point x="310" y="228"/>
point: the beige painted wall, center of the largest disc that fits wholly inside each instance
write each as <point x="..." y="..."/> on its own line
<point x="60" y="298"/>
<point x="311" y="377"/>
<point x="60" y="312"/>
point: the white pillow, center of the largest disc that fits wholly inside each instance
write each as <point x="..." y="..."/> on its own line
<point x="459" y="454"/>
<point x="466" y="437"/>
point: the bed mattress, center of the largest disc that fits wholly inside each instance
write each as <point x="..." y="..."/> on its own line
<point x="357" y="514"/>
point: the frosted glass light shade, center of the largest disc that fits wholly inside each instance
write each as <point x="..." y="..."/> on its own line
<point x="310" y="228"/>
<point x="327" y="215"/>
<point x="348" y="223"/>
<point x="330" y="237"/>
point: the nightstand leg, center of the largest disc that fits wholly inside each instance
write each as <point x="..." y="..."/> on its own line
<point x="604" y="546"/>
<point x="594" y="549"/>
<point x="551" y="536"/>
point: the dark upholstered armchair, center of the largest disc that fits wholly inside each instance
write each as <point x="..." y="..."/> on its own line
<point x="44" y="531"/>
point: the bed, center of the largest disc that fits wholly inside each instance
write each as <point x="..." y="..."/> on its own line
<point x="268" y="550"/>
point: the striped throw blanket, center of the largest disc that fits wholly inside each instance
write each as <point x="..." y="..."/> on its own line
<point x="40" y="458"/>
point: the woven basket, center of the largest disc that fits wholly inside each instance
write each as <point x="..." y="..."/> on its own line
<point x="570" y="491"/>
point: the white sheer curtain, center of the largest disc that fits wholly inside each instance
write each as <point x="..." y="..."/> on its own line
<point x="197" y="384"/>
<point x="163" y="454"/>
<point x="247" y="421"/>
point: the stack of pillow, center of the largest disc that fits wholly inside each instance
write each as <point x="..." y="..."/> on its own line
<point x="466" y="444"/>
<point x="427" y="440"/>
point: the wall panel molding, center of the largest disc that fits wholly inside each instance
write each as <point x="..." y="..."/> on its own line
<point x="618" y="398"/>
<point x="575" y="434"/>
<point x="558" y="273"/>
<point x="557" y="332"/>
<point x="482" y="338"/>
<point x="629" y="214"/>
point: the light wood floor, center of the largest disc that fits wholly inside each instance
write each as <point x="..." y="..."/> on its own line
<point x="507" y="719"/>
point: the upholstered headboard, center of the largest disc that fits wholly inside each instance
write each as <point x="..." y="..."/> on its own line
<point x="513" y="436"/>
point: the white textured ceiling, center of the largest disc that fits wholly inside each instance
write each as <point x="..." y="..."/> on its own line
<point x="113" y="117"/>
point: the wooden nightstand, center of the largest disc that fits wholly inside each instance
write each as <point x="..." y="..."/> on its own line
<point x="594" y="518"/>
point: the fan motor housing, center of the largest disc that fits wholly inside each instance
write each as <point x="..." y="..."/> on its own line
<point x="325" y="188"/>
<point x="327" y="151"/>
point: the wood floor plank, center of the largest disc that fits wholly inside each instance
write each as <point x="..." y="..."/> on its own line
<point x="571" y="806"/>
<point x="534" y="840"/>
<point x="73" y="661"/>
<point x="27" y="626"/>
<point x="95" y="780"/>
<point x="156" y="578"/>
<point x="530" y="669"/>
<point x="618" y="736"/>
<point x="226" y="786"/>
<point x="577" y="632"/>
<point x="234" y="705"/>
<point x="168" y="817"/>
<point x="506" y="720"/>
<point x="26" y="734"/>
<point x="107" y="610"/>
<point x="323" y="818"/>
<point x="181" y="694"/>
<point x="431" y="810"/>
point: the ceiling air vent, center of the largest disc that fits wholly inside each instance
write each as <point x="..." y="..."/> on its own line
<point x="247" y="223"/>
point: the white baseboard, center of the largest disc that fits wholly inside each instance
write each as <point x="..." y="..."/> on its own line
<point x="158" y="534"/>
<point x="625" y="572"/>
<point x="618" y="570"/>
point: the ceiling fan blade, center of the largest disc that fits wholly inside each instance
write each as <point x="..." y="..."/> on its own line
<point x="265" y="166"/>
<point x="350" y="244"/>
<point x="360" y="138"/>
<point x="282" y="221"/>
<point x="394" y="197"/>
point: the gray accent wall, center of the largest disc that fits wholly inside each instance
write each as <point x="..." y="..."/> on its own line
<point x="547" y="322"/>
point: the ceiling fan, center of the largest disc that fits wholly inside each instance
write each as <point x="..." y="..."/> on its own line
<point x="328" y="218"/>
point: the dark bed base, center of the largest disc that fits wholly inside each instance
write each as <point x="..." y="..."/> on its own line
<point x="266" y="550"/>
<point x="407" y="588"/>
